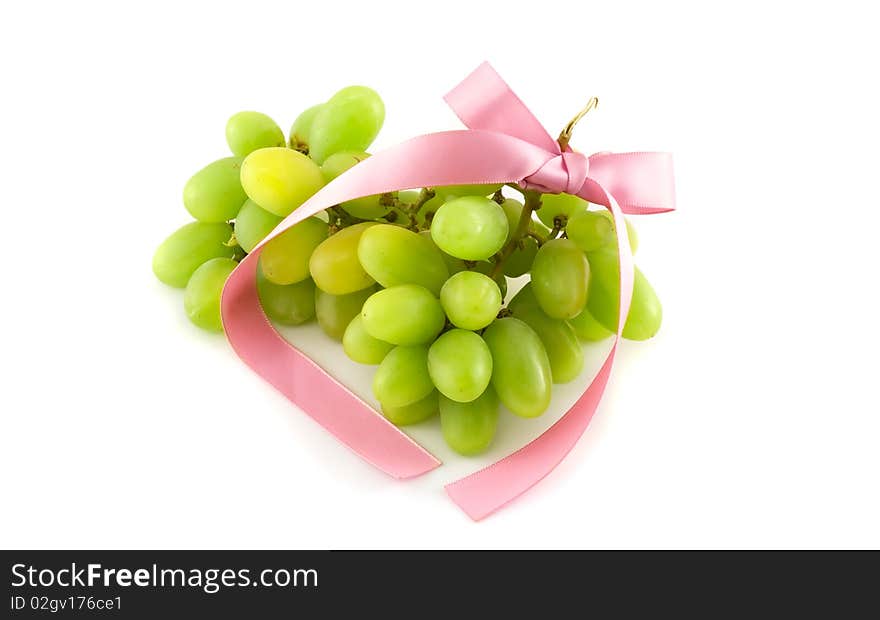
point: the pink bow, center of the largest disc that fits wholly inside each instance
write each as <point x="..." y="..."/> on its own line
<point x="505" y="144"/>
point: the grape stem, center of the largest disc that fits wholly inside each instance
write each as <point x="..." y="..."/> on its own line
<point x="297" y="145"/>
<point x="232" y="242"/>
<point x="340" y="218"/>
<point x="406" y="209"/>
<point x="412" y="209"/>
<point x="532" y="203"/>
<point x="559" y="223"/>
<point x="537" y="237"/>
<point x="424" y="196"/>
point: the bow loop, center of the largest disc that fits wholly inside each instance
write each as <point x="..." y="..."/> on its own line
<point x="563" y="173"/>
<point x="640" y="182"/>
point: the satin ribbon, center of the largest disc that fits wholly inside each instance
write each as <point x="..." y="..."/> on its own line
<point x="505" y="143"/>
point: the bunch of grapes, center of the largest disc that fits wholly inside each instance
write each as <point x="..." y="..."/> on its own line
<point x="412" y="281"/>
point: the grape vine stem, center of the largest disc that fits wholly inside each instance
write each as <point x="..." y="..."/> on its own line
<point x="559" y="223"/>
<point x="340" y="218"/>
<point x="537" y="237"/>
<point x="532" y="203"/>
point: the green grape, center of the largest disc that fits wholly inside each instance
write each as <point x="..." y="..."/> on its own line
<point x="392" y="255"/>
<point x="425" y="215"/>
<point x="409" y="196"/>
<point x="471" y="300"/>
<point x="453" y="265"/>
<point x="560" y="275"/>
<point x="280" y="179"/>
<point x="404" y="315"/>
<point x="589" y="230"/>
<point x="630" y="230"/>
<point x="201" y="300"/>
<point x="458" y="191"/>
<point x="524" y="297"/>
<point x="248" y="131"/>
<point x="289" y="304"/>
<point x="469" y="428"/>
<point x="365" y="208"/>
<point x="559" y="204"/>
<point x="335" y="312"/>
<point x="349" y="121"/>
<point x="285" y="259"/>
<point x="402" y="378"/>
<point x="521" y="259"/>
<point x="252" y="224"/>
<point x="559" y="340"/>
<point x="513" y="211"/>
<point x="214" y="193"/>
<point x="361" y="346"/>
<point x="412" y="413"/>
<point x="645" y="312"/>
<point x="472" y="228"/>
<point x="588" y="328"/>
<point x="460" y="365"/>
<point x="187" y="248"/>
<point x="633" y="236"/>
<point x="558" y="337"/>
<point x="487" y="268"/>
<point x="520" y="367"/>
<point x="302" y="127"/>
<point x="537" y="228"/>
<point x="334" y="264"/>
<point x="337" y="163"/>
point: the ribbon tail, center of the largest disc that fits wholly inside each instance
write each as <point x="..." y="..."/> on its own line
<point x="307" y="385"/>
<point x="489" y="489"/>
<point x="642" y="183"/>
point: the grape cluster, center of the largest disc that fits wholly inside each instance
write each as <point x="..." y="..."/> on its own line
<point x="412" y="281"/>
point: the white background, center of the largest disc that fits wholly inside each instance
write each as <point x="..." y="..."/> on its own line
<point x="752" y="420"/>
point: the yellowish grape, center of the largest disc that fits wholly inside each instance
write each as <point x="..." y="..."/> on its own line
<point x="334" y="264"/>
<point x="280" y="179"/>
<point x="285" y="259"/>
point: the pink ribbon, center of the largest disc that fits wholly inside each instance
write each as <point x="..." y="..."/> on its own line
<point x="505" y="143"/>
